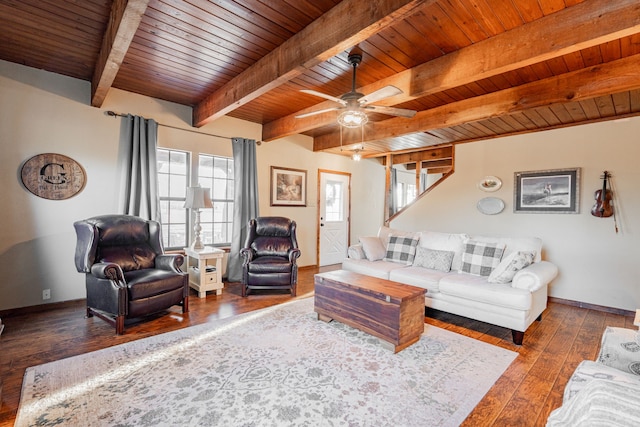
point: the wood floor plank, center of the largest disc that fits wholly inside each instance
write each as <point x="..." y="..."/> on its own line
<point x="524" y="395"/>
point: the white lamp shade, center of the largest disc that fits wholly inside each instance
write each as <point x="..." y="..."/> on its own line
<point x="198" y="198"/>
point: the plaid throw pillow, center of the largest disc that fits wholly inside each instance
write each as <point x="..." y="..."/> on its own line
<point x="481" y="258"/>
<point x="401" y="249"/>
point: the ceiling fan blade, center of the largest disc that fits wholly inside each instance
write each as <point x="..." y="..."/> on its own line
<point x="392" y="111"/>
<point x="379" y="94"/>
<point x="323" y="95"/>
<point x="313" y="113"/>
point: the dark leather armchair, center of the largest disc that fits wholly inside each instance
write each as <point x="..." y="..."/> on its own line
<point x="127" y="273"/>
<point x="269" y="255"/>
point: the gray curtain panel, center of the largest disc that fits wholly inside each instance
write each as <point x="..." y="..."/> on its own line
<point x="393" y="206"/>
<point x="245" y="201"/>
<point x="139" y="183"/>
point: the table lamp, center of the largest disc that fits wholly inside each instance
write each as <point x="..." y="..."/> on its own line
<point x="198" y="198"/>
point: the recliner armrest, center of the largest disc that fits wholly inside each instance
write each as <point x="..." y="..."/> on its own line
<point x="293" y="255"/>
<point x="535" y="276"/>
<point x="108" y="271"/>
<point x="247" y="254"/>
<point x="171" y="262"/>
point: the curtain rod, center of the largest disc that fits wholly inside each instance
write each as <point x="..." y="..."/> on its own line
<point x="114" y="114"/>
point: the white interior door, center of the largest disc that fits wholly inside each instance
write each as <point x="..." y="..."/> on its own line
<point x="334" y="217"/>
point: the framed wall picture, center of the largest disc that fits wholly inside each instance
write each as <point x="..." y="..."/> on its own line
<point x="547" y="191"/>
<point x="288" y="187"/>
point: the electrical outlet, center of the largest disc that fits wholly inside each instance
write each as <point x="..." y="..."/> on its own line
<point x="46" y="294"/>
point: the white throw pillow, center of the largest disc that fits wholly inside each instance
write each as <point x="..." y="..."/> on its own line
<point x="373" y="248"/>
<point x="480" y="258"/>
<point x="510" y="265"/>
<point x="401" y="249"/>
<point x="433" y="259"/>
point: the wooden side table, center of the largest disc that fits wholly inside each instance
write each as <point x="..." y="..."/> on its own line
<point x="205" y="270"/>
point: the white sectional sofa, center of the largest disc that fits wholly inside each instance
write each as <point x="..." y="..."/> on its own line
<point x="497" y="280"/>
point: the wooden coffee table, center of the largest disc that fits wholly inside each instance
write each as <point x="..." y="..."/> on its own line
<point x="391" y="311"/>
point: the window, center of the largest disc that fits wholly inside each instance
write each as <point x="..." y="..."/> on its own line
<point x="405" y="194"/>
<point x="173" y="176"/>
<point x="216" y="173"/>
<point x="334" y="210"/>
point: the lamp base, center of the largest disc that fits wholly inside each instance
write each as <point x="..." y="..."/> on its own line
<point x="197" y="245"/>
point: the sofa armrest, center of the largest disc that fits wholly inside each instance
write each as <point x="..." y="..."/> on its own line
<point x="356" y="252"/>
<point x="535" y="276"/>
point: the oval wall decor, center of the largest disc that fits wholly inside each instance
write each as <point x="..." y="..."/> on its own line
<point x="53" y="176"/>
<point x="490" y="183"/>
<point x="490" y="205"/>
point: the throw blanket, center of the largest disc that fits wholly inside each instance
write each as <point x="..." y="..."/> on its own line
<point x="600" y="403"/>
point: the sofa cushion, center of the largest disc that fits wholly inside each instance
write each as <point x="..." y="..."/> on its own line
<point x="476" y="288"/>
<point x="384" y="232"/>
<point x="418" y="276"/>
<point x="480" y="258"/>
<point x="401" y="249"/>
<point x="378" y="269"/>
<point x="445" y="242"/>
<point x="373" y="248"/>
<point x="510" y="265"/>
<point x="515" y="244"/>
<point x="433" y="259"/>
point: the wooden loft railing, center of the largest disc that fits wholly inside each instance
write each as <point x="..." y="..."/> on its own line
<point x="436" y="160"/>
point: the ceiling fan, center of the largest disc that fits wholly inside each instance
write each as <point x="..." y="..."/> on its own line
<point x="356" y="104"/>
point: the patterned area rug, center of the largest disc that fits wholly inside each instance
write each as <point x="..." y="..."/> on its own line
<point x="274" y="367"/>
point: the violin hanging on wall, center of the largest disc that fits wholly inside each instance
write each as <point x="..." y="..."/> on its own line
<point x="602" y="207"/>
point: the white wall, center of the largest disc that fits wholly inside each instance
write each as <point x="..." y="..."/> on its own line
<point x="597" y="266"/>
<point x="44" y="112"/>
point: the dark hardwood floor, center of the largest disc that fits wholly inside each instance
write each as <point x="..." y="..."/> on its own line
<point x="524" y="396"/>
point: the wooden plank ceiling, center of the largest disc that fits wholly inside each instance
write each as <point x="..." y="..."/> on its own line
<point x="472" y="69"/>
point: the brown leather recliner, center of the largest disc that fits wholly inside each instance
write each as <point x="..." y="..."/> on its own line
<point x="269" y="255"/>
<point x="127" y="273"/>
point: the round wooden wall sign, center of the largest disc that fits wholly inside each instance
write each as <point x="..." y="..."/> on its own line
<point x="53" y="176"/>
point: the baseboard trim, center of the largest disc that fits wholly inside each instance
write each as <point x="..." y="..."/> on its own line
<point x="592" y="306"/>
<point x="42" y="307"/>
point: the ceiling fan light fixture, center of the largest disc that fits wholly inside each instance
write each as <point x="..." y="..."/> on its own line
<point x="356" y="156"/>
<point x="352" y="118"/>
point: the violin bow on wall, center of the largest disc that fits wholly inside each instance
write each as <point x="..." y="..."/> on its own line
<point x="603" y="207"/>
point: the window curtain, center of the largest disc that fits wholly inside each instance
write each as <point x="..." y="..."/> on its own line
<point x="139" y="183"/>
<point x="245" y="205"/>
<point x="393" y="208"/>
<point x="423" y="182"/>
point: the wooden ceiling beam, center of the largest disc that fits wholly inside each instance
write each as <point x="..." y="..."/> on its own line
<point x="426" y="155"/>
<point x="442" y="167"/>
<point x="612" y="77"/>
<point x="587" y="24"/>
<point x="344" y="26"/>
<point x="123" y="23"/>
